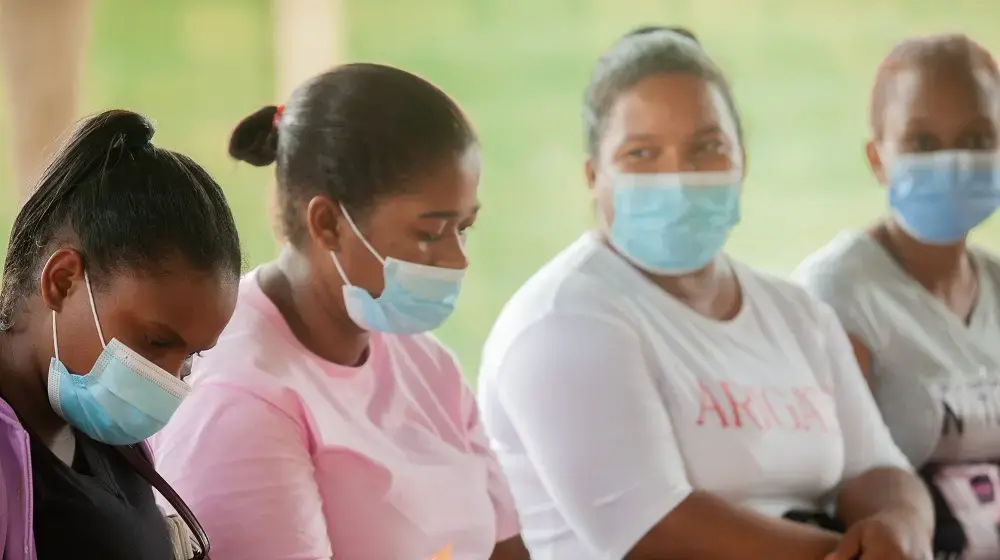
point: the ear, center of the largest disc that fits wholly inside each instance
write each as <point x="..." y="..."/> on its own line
<point x="62" y="274"/>
<point x="745" y="162"/>
<point x="875" y="162"/>
<point x="324" y="219"/>
<point x="591" y="174"/>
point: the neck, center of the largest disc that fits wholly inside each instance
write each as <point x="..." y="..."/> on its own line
<point x="936" y="267"/>
<point x="313" y="307"/>
<point x="693" y="287"/>
<point x="23" y="382"/>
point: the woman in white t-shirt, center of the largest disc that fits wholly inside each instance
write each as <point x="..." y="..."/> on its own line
<point x="649" y="397"/>
<point x="922" y="307"/>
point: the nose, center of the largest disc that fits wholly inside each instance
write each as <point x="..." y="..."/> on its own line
<point x="452" y="254"/>
<point x="673" y="160"/>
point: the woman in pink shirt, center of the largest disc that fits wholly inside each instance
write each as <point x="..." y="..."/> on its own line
<point x="327" y="423"/>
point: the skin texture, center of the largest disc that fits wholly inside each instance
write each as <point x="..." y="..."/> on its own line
<point x="937" y="93"/>
<point x="671" y="123"/>
<point x="677" y="123"/>
<point x="946" y="99"/>
<point x="425" y="224"/>
<point x="139" y="309"/>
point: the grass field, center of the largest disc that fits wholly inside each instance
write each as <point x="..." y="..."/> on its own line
<point x="801" y="71"/>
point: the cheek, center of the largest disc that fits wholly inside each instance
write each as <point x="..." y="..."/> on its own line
<point x="603" y="198"/>
<point x="79" y="343"/>
<point x="360" y="266"/>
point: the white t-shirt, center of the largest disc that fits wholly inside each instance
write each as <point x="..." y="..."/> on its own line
<point x="936" y="379"/>
<point x="607" y="401"/>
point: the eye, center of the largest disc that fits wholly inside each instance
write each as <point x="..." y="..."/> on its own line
<point x="429" y="237"/>
<point x="641" y="153"/>
<point x="714" y="146"/>
<point x="158" y="343"/>
<point x="923" y="143"/>
<point x="980" y="142"/>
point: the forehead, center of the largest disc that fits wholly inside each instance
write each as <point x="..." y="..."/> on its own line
<point x="452" y="184"/>
<point x="941" y="94"/>
<point x="670" y="105"/>
<point x="196" y="305"/>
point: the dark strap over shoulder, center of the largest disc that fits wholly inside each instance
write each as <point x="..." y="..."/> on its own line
<point x="143" y="464"/>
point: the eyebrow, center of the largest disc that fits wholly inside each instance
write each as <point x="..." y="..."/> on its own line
<point x="707" y="129"/>
<point x="446" y="214"/>
<point x="170" y="332"/>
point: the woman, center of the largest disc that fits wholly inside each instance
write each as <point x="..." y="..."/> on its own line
<point x="327" y="423"/>
<point x="649" y="397"/>
<point x="92" y="338"/>
<point x="922" y="308"/>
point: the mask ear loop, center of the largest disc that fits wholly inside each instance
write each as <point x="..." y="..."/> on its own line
<point x="357" y="232"/>
<point x="93" y="309"/>
<point x="55" y="336"/>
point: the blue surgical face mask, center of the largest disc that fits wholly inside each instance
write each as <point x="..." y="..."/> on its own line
<point x="416" y="298"/>
<point x="673" y="223"/>
<point x="939" y="197"/>
<point x="122" y="401"/>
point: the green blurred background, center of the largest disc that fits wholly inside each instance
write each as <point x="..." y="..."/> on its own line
<point x="801" y="71"/>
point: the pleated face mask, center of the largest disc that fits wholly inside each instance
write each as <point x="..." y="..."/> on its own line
<point x="674" y="223"/>
<point x="124" y="399"/>
<point x="416" y="298"/>
<point x="939" y="197"/>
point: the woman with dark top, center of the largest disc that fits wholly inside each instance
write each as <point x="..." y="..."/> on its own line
<point x="123" y="263"/>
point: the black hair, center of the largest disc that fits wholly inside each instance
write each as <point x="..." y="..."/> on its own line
<point x="354" y="134"/>
<point x="124" y="204"/>
<point x="671" y="28"/>
<point x="641" y="53"/>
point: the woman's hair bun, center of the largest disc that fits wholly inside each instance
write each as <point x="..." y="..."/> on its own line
<point x="671" y="28"/>
<point x="120" y="127"/>
<point x="255" y="138"/>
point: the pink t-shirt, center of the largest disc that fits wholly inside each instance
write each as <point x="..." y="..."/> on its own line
<point x="284" y="456"/>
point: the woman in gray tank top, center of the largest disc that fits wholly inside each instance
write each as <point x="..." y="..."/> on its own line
<point x="921" y="306"/>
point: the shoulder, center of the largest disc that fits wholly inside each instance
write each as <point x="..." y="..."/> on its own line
<point x="989" y="261"/>
<point x="849" y="256"/>
<point x="848" y="273"/>
<point x="585" y="280"/>
<point x="783" y="300"/>
<point x="257" y="354"/>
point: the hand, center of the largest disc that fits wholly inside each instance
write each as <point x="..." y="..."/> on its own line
<point x="885" y="536"/>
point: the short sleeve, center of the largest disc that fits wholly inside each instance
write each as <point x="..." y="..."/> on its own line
<point x="867" y="441"/>
<point x="824" y="282"/>
<point x="503" y="502"/>
<point x="594" y="427"/>
<point x="243" y="466"/>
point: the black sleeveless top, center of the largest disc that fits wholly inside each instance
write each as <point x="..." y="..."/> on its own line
<point x="100" y="508"/>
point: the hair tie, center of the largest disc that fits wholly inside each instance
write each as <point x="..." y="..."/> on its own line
<point x="278" y="111"/>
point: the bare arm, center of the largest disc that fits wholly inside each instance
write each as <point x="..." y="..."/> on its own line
<point x="887" y="491"/>
<point x="510" y="549"/>
<point x="704" y="526"/>
<point x="883" y="489"/>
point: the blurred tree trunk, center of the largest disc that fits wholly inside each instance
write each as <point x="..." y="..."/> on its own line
<point x="43" y="44"/>
<point x="310" y="37"/>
